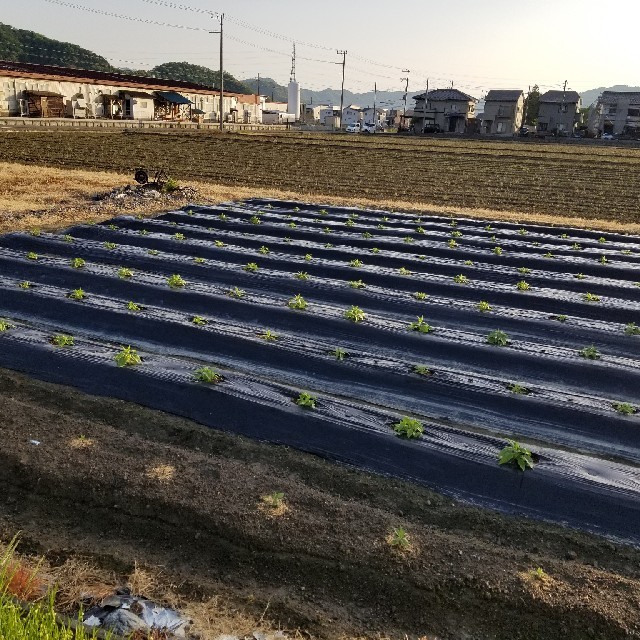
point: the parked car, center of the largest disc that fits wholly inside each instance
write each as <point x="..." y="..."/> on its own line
<point x="523" y="132"/>
<point x="368" y="128"/>
<point x="353" y="128"/>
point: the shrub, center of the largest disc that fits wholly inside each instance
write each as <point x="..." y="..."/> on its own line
<point x="408" y="428"/>
<point x="461" y="279"/>
<point x="123" y="272"/>
<point x="498" y="338"/>
<point x="590" y="353"/>
<point x="269" y="336"/>
<point x="517" y="455"/>
<point x="301" y="275"/>
<point x="298" y="303"/>
<point x="207" y="375"/>
<point x="399" y="539"/>
<point x="419" y="295"/>
<point x="523" y="286"/>
<point x="250" y="267"/>
<point x="355" y="314"/>
<point x="62" y="340"/>
<point x="484" y="306"/>
<point x="77" y="294"/>
<point x="632" y="329"/>
<point x="421" y="326"/>
<point x="624" y="408"/>
<point x="127" y="357"/>
<point x="306" y="400"/>
<point x="175" y="281"/>
<point x="357" y="284"/>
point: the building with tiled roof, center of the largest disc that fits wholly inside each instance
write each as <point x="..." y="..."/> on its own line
<point x="503" y="112"/>
<point x="446" y="110"/>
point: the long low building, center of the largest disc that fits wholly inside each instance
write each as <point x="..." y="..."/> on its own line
<point x="45" y="91"/>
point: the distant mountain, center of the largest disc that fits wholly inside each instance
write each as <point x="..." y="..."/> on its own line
<point x="589" y="97"/>
<point x="279" y="93"/>
<point x="20" y="45"/>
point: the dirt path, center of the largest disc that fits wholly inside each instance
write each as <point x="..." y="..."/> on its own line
<point x="122" y="484"/>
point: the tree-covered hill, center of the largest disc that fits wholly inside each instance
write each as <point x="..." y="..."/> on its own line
<point x="196" y="73"/>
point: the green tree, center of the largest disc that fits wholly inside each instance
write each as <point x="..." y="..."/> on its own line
<point x="188" y="72"/>
<point x="532" y="106"/>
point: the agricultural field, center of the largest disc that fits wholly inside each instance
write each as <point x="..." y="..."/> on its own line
<point x="494" y="363"/>
<point x="584" y="182"/>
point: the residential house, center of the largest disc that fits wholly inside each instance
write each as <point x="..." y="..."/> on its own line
<point x="352" y="114"/>
<point x="330" y="116"/>
<point x="616" y="112"/>
<point x="448" y="110"/>
<point x="380" y="117"/>
<point x="311" y="113"/>
<point x="283" y="107"/>
<point x="46" y="91"/>
<point x="503" y="112"/>
<point x="559" y="112"/>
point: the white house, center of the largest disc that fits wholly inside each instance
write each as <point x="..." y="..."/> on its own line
<point x="379" y="118"/>
<point x="352" y="115"/>
<point x="329" y="115"/>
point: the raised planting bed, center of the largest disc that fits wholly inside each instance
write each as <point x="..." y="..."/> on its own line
<point x="479" y="333"/>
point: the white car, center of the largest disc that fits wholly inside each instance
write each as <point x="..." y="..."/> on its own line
<point x="368" y="128"/>
<point x="353" y="128"/>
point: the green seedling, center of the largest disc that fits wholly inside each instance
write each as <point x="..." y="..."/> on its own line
<point x="306" y="400"/>
<point x="625" y="252"/>
<point x="308" y="257"/>
<point x="219" y="243"/>
<point x="356" y="263"/>
<point x="78" y="263"/>
<point x="327" y="229"/>
<point x="77" y="294"/>
<point x="175" y="281"/>
<point x="143" y="232"/>
<point x="484" y="306"/>
<point x="374" y="250"/>
<point x="421" y="326"/>
<point x="497" y="251"/>
<point x="124" y="273"/>
<point x="153" y="252"/>
<point x="293" y="225"/>
<point x="548" y="255"/>
<point x="564" y="236"/>
<point x="349" y="223"/>
<point x="408" y="239"/>
<point x="538" y="574"/>
<point x="296" y="209"/>
<point x="223" y="217"/>
<point x="590" y="353"/>
<point x="236" y="292"/>
<point x="366" y="235"/>
<point x="269" y="336"/>
<point x="274" y="500"/>
<point x="263" y="250"/>
<point x="422" y="370"/>
<point x="32" y="256"/>
<point x="110" y="245"/>
<point x="624" y="408"/>
<point x="456" y="234"/>
<point x="400" y="539"/>
<point x="576" y="247"/>
<point x="199" y="260"/>
<point x="67" y="238"/>
<point x="517" y="455"/>
<point x="25" y="284"/>
<point x="419" y="295"/>
<point x="535" y="244"/>
<point x="127" y="357"/>
<point x="632" y="329"/>
<point x="522" y="232"/>
<point x="498" y="338"/>
<point x="559" y="318"/>
<point x="421" y="230"/>
<point x="524" y="270"/>
<point x="113" y="227"/>
<point x="189" y="212"/>
<point x="385" y="219"/>
<point x="178" y="236"/>
<point x="381" y="226"/>
<point x="579" y="276"/>
<point x="357" y="284"/>
<point x="590" y="297"/>
<point x="519" y="389"/>
<point x="461" y="279"/>
<point x="62" y="340"/>
<point x="339" y="354"/>
<point x="408" y="428"/>
<point x="200" y="321"/>
<point x="4" y="325"/>
<point x="254" y="220"/>
<point x="207" y="375"/>
<point x="603" y="260"/>
<point x="250" y="267"/>
<point x="602" y="240"/>
<point x="134" y="306"/>
<point x="488" y="228"/>
<point x="323" y="212"/>
<point x="452" y="244"/>
<point x="468" y="263"/>
<point x="328" y="245"/>
<point x="523" y="286"/>
<point x="492" y="238"/>
<point x="355" y="314"/>
<point x="301" y="275"/>
<point x="34" y="232"/>
<point x="298" y="303"/>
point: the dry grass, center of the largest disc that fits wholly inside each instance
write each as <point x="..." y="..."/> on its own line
<point x="81" y="443"/>
<point x="51" y="198"/>
<point x="161" y="473"/>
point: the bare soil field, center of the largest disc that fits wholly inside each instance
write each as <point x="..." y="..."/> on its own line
<point x="582" y="182"/>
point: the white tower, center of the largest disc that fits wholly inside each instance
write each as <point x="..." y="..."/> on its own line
<point x="293" y="102"/>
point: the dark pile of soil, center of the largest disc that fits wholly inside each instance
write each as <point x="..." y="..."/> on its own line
<point x="156" y="489"/>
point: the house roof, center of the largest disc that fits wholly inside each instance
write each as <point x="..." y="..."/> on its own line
<point x="173" y="97"/>
<point x="447" y="95"/>
<point x="554" y="97"/>
<point x="503" y="95"/>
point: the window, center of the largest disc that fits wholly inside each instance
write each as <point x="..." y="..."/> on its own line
<point x="542" y="126"/>
<point x="612" y="111"/>
<point x="500" y="128"/>
<point x="143" y="105"/>
<point x="634" y="113"/>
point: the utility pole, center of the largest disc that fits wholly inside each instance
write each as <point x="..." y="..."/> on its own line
<point x="221" y="16"/>
<point x="258" y="84"/>
<point x="426" y="98"/>
<point x="406" y="91"/>
<point x="375" y="115"/>
<point x="344" y="64"/>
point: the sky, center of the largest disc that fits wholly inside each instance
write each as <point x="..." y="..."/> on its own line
<point x="476" y="45"/>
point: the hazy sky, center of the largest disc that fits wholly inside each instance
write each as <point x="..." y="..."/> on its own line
<point x="476" y="44"/>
